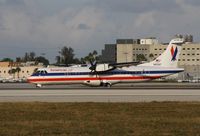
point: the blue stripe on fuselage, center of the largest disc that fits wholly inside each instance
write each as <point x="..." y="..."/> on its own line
<point x="110" y="73"/>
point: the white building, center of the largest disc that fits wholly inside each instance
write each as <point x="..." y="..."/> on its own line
<point x="128" y="50"/>
<point x="151" y="41"/>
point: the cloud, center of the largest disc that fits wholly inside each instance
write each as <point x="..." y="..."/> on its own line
<point x="67" y="27"/>
<point x="85" y="25"/>
<point x="192" y="2"/>
<point x="12" y="2"/>
<point x="137" y="6"/>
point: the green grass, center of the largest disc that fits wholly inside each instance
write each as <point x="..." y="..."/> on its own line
<point x="155" y="118"/>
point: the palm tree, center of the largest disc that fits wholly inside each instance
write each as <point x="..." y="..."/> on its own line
<point x="58" y="59"/>
<point x="151" y="56"/>
<point x="141" y="57"/>
<point x="92" y="56"/>
<point x="18" y="69"/>
<point x="12" y="71"/>
<point x="67" y="55"/>
<point x="32" y="56"/>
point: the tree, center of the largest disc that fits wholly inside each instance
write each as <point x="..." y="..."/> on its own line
<point x="76" y="61"/>
<point x="31" y="56"/>
<point x="7" y="60"/>
<point x="141" y="57"/>
<point x="12" y="71"/>
<point x="18" y="69"/>
<point x="92" y="56"/>
<point x="95" y="53"/>
<point x="42" y="59"/>
<point x="151" y="56"/>
<point x="18" y="59"/>
<point x="66" y="56"/>
<point x="82" y="60"/>
<point x="26" y="57"/>
<point x="58" y="59"/>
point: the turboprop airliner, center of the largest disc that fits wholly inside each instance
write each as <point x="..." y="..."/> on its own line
<point x="110" y="74"/>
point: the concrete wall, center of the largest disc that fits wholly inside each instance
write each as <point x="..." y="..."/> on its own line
<point x="109" y="53"/>
<point x="124" y="53"/>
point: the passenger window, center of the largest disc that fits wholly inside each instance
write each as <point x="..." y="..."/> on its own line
<point x="37" y="72"/>
<point x="42" y="72"/>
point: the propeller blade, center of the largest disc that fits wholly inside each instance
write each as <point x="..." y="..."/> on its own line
<point x="93" y="66"/>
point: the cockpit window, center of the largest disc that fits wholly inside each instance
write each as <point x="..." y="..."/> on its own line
<point x="37" y="72"/>
<point x="40" y="72"/>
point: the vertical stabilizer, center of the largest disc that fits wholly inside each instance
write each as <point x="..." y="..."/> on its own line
<point x="169" y="58"/>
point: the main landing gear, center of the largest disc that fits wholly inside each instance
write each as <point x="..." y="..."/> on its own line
<point x="38" y="85"/>
<point x="108" y="85"/>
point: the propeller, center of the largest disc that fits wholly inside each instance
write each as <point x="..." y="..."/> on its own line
<point x="93" y="66"/>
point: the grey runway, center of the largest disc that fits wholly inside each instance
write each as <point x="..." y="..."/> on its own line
<point x="98" y="95"/>
<point x="143" y="85"/>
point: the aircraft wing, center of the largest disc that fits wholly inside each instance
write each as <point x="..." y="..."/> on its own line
<point x="105" y="67"/>
<point x="124" y="64"/>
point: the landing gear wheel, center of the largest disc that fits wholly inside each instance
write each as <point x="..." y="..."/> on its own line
<point x="38" y="85"/>
<point x="108" y="85"/>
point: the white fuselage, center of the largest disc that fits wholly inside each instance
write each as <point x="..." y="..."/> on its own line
<point x="102" y="74"/>
<point x="83" y="75"/>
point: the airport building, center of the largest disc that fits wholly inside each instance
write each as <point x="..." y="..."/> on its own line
<point x="16" y="70"/>
<point x="147" y="49"/>
<point x="109" y="53"/>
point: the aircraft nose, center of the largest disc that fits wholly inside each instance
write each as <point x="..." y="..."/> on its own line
<point x="29" y="79"/>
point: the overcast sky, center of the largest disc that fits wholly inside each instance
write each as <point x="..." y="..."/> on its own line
<point x="45" y="26"/>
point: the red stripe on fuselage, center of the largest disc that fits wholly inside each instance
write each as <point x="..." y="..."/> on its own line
<point x="91" y="78"/>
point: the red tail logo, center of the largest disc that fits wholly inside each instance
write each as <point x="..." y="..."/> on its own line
<point x="174" y="53"/>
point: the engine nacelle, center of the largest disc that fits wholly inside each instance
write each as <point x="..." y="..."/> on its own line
<point x="103" y="67"/>
<point x="93" y="82"/>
